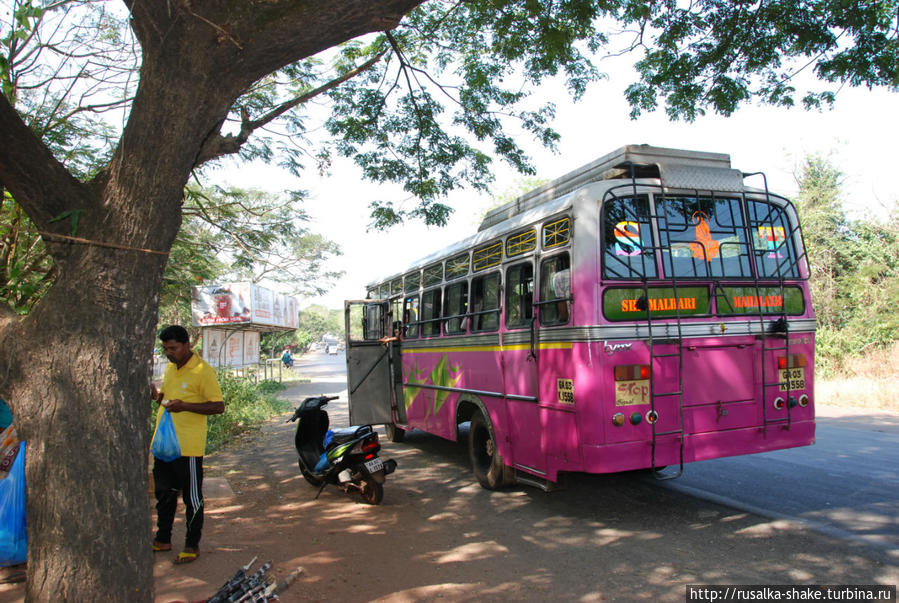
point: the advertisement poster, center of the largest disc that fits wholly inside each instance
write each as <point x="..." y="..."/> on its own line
<point x="242" y="304"/>
<point x="250" y="347"/>
<point x="230" y="348"/>
<point x="234" y="349"/>
<point x="212" y="345"/>
<point x="263" y="306"/>
<point x="220" y="304"/>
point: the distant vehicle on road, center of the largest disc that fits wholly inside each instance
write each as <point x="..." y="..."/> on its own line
<point x="332" y="349"/>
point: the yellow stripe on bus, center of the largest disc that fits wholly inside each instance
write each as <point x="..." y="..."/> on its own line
<point x="489" y="348"/>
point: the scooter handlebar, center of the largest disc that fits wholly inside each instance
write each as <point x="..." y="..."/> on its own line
<point x="322" y="400"/>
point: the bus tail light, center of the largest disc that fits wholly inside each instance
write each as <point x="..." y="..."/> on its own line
<point x="803" y="400"/>
<point x="779" y="403"/>
<point x="632" y="372"/>
<point x="793" y="361"/>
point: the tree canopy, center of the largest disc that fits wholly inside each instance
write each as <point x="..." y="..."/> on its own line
<point x="855" y="268"/>
<point x="425" y="94"/>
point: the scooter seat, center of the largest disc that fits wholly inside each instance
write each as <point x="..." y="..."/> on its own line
<point x="346" y="434"/>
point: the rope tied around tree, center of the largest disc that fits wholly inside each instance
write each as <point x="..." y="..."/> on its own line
<point x="82" y="241"/>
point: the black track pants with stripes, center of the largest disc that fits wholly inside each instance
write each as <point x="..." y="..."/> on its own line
<point x="185" y="475"/>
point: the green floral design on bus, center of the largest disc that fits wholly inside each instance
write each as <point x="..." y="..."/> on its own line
<point x="443" y="375"/>
<point x="410" y="392"/>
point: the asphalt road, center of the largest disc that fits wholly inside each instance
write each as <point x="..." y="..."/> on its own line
<point x="845" y="486"/>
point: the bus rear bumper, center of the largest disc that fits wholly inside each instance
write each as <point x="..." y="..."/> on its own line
<point x="627" y="456"/>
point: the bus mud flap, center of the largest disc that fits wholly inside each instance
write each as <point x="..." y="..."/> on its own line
<point x="539" y="482"/>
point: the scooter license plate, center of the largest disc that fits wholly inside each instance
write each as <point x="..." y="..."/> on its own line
<point x="374" y="465"/>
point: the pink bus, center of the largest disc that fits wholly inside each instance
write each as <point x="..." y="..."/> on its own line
<point x="644" y="311"/>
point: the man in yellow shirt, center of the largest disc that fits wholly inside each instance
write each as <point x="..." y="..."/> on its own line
<point x="190" y="392"/>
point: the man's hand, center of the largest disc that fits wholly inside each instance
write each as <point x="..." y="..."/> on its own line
<point x="176" y="405"/>
<point x="154" y="392"/>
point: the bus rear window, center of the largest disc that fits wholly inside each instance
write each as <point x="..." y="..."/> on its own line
<point x="773" y="240"/>
<point x="627" y="239"/>
<point x="702" y="237"/>
<point x="631" y="303"/>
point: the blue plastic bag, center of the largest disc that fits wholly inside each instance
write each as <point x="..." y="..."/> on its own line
<point x="13" y="532"/>
<point x="165" y="442"/>
<point x="322" y="463"/>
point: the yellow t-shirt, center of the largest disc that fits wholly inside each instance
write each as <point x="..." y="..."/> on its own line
<point x="193" y="383"/>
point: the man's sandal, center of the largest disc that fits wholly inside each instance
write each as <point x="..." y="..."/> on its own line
<point x="186" y="557"/>
<point x="161" y="546"/>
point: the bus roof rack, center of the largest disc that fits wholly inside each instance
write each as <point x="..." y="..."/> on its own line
<point x="647" y="162"/>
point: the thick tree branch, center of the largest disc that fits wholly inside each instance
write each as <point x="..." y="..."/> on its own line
<point x="36" y="179"/>
<point x="220" y="145"/>
<point x="291" y="29"/>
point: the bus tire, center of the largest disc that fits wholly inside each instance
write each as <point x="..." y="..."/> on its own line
<point x="394" y="433"/>
<point x="486" y="463"/>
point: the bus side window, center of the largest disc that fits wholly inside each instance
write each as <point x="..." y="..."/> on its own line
<point x="455" y="308"/>
<point x="519" y="295"/>
<point x="410" y="316"/>
<point x="430" y="313"/>
<point x="485" y="302"/>
<point x="555" y="290"/>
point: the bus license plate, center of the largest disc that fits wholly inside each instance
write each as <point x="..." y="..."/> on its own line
<point x="374" y="465"/>
<point x="795" y="377"/>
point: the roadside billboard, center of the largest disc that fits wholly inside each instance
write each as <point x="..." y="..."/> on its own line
<point x="235" y="304"/>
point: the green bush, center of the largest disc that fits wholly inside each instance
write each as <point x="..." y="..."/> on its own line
<point x="247" y="405"/>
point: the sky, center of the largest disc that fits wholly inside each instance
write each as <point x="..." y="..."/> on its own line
<point x="859" y="135"/>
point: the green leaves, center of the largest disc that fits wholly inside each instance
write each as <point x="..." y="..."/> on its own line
<point x="432" y="103"/>
<point x="73" y="215"/>
<point x="26" y="269"/>
<point x="855" y="269"/>
<point x="450" y="95"/>
<point x="719" y="54"/>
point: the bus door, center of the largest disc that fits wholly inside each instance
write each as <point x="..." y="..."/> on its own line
<point x="520" y="369"/>
<point x="372" y="366"/>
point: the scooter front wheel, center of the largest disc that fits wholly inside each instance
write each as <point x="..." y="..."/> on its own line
<point x="372" y="491"/>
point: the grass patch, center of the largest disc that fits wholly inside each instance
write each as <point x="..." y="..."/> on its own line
<point x="867" y="381"/>
<point x="247" y="406"/>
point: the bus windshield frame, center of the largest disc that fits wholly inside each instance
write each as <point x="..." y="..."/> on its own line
<point x="648" y="235"/>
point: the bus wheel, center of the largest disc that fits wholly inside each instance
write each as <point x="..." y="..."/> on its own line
<point x="486" y="462"/>
<point x="394" y="433"/>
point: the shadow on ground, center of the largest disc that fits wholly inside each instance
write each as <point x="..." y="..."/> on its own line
<point x="439" y="535"/>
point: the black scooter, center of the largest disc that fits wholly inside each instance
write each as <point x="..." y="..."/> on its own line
<point x="347" y="458"/>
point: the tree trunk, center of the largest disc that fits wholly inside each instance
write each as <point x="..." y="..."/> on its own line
<point x="76" y="370"/>
<point x="83" y="405"/>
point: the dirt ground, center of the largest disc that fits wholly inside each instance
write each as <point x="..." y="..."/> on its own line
<point x="605" y="539"/>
